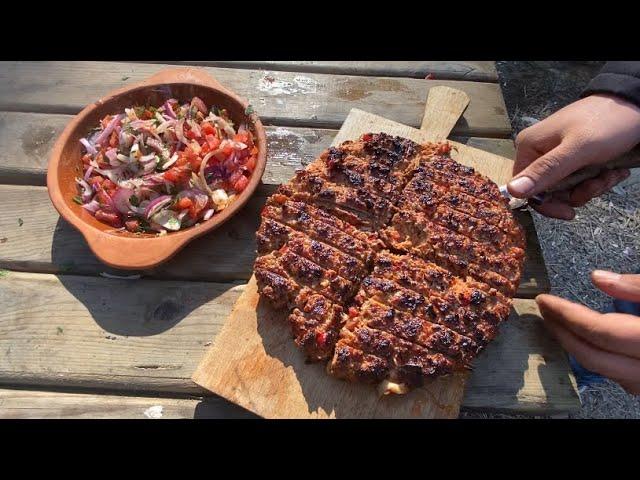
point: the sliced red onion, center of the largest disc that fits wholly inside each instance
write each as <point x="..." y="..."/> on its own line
<point x="168" y="110"/>
<point x="208" y="214"/>
<point x="88" y="173"/>
<point x="111" y="154"/>
<point x="147" y="158"/>
<point x="199" y="104"/>
<point x="157" y="204"/>
<point x="90" y="148"/>
<point x="107" y="131"/>
<point x="93" y="206"/>
<point x="113" y="174"/>
<point x="109" y="205"/>
<point x="170" y="162"/>
<point x="87" y="191"/>
<point x="180" y="132"/>
<point x="121" y="199"/>
<point x="125" y="139"/>
<point x="182" y="214"/>
<point x="148" y="167"/>
<point x="155" y="144"/>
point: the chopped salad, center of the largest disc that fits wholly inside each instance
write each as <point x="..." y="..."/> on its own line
<point x="158" y="169"/>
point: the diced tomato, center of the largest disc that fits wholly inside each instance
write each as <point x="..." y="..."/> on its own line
<point x="353" y="312"/>
<point x="227" y="150"/>
<point x="184" y="202"/>
<point x="241" y="184"/>
<point x="251" y="164"/>
<point x="178" y="174"/>
<point x="321" y="339"/>
<point x="108" y="184"/>
<point x="113" y="140"/>
<point x="147" y="115"/>
<point x="112" y="219"/>
<point x="205" y="148"/>
<point x="242" y="137"/>
<point x="95" y="180"/>
<point x="189" y="134"/>
<point x="182" y="160"/>
<point x="132" y="225"/>
<point x="105" y="121"/>
<point x="367" y="137"/>
<point x="212" y="141"/>
<point x="207" y="129"/>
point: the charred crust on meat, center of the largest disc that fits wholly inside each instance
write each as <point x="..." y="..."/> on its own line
<point x="395" y="262"/>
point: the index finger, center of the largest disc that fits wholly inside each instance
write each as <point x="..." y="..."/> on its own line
<point x="614" y="332"/>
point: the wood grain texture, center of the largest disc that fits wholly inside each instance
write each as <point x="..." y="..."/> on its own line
<point x="34" y="404"/>
<point x="445" y="105"/>
<point x="443" y="70"/>
<point x="27" y="139"/>
<point x="68" y="331"/>
<point x="124" y="334"/>
<point x="280" y="98"/>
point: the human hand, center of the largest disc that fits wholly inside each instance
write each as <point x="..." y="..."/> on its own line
<point x="591" y="131"/>
<point x="609" y="343"/>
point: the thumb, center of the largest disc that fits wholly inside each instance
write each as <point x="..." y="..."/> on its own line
<point x="545" y="171"/>
<point x="621" y="286"/>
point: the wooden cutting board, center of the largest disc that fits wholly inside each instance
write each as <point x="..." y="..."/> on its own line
<point x="253" y="361"/>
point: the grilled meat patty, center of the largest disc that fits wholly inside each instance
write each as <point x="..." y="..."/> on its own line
<point x="396" y="263"/>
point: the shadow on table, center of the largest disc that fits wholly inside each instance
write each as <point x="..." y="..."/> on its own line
<point x="125" y="307"/>
<point x="499" y="374"/>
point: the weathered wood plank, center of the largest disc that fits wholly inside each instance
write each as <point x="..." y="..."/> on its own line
<point x="27" y="139"/>
<point x="481" y="71"/>
<point x="280" y="98"/>
<point x="46" y="243"/>
<point x="34" y="404"/>
<point x="76" y="331"/>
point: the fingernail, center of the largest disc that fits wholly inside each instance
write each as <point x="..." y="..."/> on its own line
<point x="521" y="185"/>
<point x="605" y="276"/>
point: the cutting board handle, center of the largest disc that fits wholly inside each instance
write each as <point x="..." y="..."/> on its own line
<point x="444" y="107"/>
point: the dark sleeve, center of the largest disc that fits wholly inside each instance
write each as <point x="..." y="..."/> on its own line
<point x="617" y="78"/>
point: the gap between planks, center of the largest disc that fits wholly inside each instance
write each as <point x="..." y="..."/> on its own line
<point x="68" y="330"/>
<point x="480" y="71"/>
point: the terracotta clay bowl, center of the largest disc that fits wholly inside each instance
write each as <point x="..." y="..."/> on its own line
<point x="126" y="250"/>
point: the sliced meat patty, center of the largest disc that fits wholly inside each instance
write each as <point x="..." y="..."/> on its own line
<point x="395" y="263"/>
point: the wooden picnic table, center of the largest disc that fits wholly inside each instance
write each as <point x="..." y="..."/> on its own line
<point x="76" y="343"/>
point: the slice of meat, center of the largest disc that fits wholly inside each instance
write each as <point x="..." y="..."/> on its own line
<point x="366" y="205"/>
<point x="416" y="230"/>
<point x="418" y="330"/>
<point x="350" y="363"/>
<point x="305" y="273"/>
<point x="445" y="171"/>
<point x="444" y="311"/>
<point x="408" y="363"/>
<point x="315" y="323"/>
<point x="423" y="194"/>
<point x="413" y="233"/>
<point x="303" y="222"/>
<point x="274" y="236"/>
